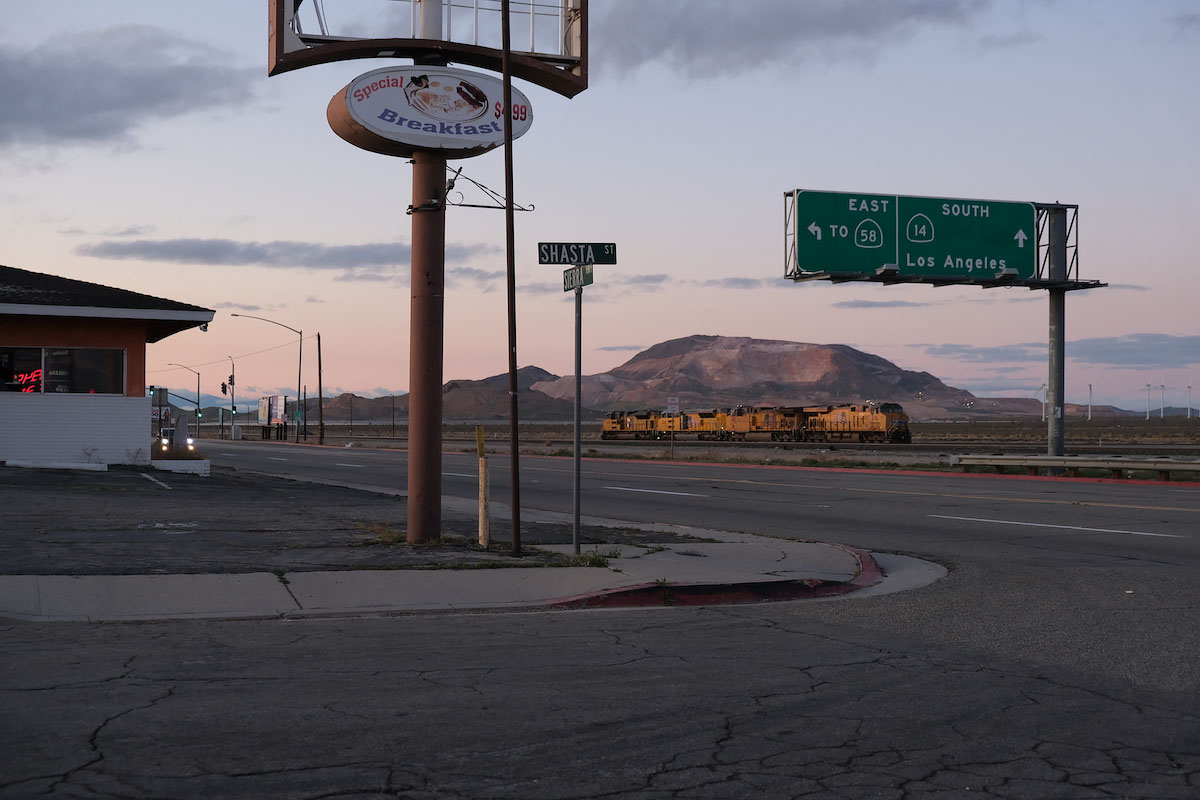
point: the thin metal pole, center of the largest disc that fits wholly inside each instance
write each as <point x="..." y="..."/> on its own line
<point x="299" y="372"/>
<point x="510" y="246"/>
<point x="320" y="396"/>
<point x="578" y="404"/>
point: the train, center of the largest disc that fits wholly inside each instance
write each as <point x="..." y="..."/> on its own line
<point x="882" y="423"/>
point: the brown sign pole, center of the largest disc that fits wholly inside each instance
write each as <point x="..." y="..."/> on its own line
<point x="426" y="323"/>
<point x="425" y="348"/>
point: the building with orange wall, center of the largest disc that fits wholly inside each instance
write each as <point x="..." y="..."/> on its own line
<point x="73" y="368"/>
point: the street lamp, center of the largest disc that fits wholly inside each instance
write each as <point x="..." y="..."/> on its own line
<point x="232" y="397"/>
<point x="189" y="369"/>
<point x="299" y="363"/>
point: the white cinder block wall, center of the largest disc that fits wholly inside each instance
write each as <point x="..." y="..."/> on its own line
<point x="74" y="428"/>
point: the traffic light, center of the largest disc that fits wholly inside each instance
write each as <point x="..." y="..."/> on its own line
<point x="224" y="389"/>
<point x="199" y="413"/>
<point x="231" y="381"/>
<point x="235" y="411"/>
<point x="152" y="391"/>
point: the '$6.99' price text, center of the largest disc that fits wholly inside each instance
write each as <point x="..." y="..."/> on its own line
<point x="520" y="113"/>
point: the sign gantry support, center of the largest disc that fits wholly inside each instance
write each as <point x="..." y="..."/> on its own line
<point x="847" y="237"/>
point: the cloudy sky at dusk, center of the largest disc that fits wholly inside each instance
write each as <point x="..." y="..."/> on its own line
<point x="143" y="146"/>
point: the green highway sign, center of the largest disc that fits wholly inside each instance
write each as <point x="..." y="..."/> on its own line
<point x="840" y="232"/>
<point x="577" y="253"/>
<point x="577" y="277"/>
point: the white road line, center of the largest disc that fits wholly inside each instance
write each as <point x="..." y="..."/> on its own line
<point x="652" y="491"/>
<point x="229" y="454"/>
<point x="156" y="480"/>
<point x="461" y="474"/>
<point x="1062" y="527"/>
<point x="356" y="466"/>
<point x="275" y="458"/>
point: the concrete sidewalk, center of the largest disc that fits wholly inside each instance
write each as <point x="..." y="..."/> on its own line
<point x="117" y="546"/>
<point x="740" y="568"/>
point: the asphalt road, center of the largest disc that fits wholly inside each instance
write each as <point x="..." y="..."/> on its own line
<point x="1057" y="659"/>
<point x="1059" y="571"/>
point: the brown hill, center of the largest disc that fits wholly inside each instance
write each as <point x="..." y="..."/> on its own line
<point x="719" y="371"/>
<point x="461" y="400"/>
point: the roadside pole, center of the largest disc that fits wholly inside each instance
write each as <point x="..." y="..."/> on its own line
<point x="582" y="256"/>
<point x="578" y="404"/>
<point x="485" y="516"/>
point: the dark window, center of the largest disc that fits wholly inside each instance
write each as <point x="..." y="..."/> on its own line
<point x="20" y="369"/>
<point x="63" y="370"/>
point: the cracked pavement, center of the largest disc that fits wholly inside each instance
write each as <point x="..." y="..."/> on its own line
<point x="1013" y="677"/>
<point x="776" y="703"/>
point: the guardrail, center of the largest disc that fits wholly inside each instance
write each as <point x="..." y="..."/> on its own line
<point x="1118" y="466"/>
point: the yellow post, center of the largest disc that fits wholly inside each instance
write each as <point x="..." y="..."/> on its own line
<point x="485" y="520"/>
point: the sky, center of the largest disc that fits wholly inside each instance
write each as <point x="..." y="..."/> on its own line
<point x="143" y="146"/>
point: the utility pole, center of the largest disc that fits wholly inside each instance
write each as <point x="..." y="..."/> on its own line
<point x="320" y="396"/>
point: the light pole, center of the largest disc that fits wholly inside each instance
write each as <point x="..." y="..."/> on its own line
<point x="189" y="369"/>
<point x="1089" y="402"/>
<point x="299" y="364"/>
<point x="232" y="400"/>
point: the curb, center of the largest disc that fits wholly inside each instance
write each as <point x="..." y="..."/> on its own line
<point x="645" y="595"/>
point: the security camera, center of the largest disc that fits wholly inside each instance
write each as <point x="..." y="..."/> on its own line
<point x="204" y="327"/>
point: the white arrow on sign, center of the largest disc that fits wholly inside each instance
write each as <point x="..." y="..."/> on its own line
<point x="1020" y="237"/>
<point x="814" y="230"/>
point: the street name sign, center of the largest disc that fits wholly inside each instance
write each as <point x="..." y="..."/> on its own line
<point x="577" y="253"/>
<point x="577" y="277"/>
<point x="923" y="237"/>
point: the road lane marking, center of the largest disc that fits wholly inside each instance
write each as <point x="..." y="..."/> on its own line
<point x="356" y="466"/>
<point x="156" y="480"/>
<point x="276" y="458"/>
<point x="897" y="492"/>
<point x="1061" y="527"/>
<point x="461" y="474"/>
<point x="651" y="491"/>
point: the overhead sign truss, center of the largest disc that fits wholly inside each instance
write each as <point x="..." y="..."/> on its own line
<point x="843" y="237"/>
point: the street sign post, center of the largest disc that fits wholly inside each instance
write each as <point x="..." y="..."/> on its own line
<point x="577" y="253"/>
<point x="581" y="256"/>
<point x="931" y="237"/>
<point x="577" y="277"/>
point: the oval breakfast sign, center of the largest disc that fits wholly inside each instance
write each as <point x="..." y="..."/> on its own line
<point x="400" y="110"/>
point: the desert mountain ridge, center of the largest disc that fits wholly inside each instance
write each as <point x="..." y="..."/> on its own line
<point x="704" y="372"/>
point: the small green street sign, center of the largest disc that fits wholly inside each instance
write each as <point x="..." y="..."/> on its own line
<point x="577" y="253"/>
<point x="577" y="277"/>
<point x="839" y="232"/>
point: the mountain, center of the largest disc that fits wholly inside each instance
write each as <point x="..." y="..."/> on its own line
<point x="461" y="400"/>
<point x="720" y="371"/>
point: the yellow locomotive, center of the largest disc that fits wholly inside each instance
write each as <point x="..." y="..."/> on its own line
<point x="885" y="422"/>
